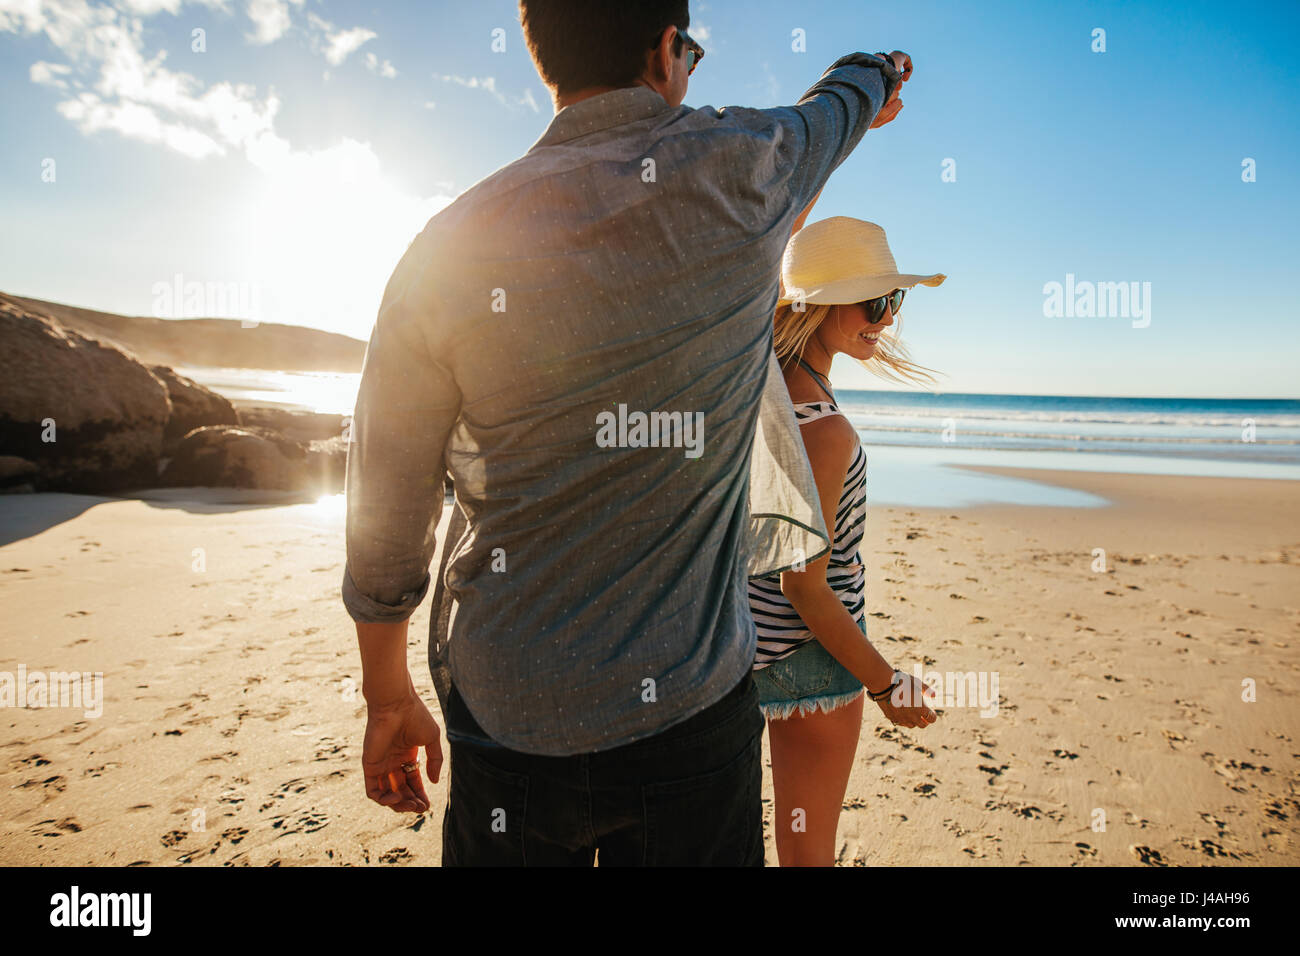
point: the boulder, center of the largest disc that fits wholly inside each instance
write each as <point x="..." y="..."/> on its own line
<point x="17" y="475"/>
<point x="248" y="456"/>
<point x="302" y="426"/>
<point x="193" y="406"/>
<point x="87" y="414"/>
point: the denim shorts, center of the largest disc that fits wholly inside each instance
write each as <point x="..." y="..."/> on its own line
<point x="808" y="680"/>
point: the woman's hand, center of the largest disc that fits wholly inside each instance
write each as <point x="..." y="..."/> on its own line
<point x="394" y="735"/>
<point x="903" y="64"/>
<point x="906" y="706"/>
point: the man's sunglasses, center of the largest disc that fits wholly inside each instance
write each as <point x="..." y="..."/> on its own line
<point x="876" y="307"/>
<point x="695" y="52"/>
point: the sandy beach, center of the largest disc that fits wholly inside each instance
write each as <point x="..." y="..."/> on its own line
<point x="231" y="722"/>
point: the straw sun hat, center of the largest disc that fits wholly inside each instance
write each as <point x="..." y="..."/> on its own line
<point x="839" y="261"/>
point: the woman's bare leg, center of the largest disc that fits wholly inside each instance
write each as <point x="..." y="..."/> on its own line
<point x="812" y="756"/>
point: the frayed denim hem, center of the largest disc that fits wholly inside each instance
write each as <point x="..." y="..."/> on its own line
<point x="784" y="709"/>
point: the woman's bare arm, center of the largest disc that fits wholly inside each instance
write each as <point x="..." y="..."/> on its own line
<point x="803" y="216"/>
<point x="831" y="444"/>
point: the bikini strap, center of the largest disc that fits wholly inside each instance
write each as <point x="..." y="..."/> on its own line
<point x="817" y="377"/>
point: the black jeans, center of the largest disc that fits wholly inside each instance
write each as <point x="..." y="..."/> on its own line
<point x="686" y="797"/>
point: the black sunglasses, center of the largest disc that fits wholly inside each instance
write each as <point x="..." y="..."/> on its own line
<point x="876" y="307"/>
<point x="695" y="51"/>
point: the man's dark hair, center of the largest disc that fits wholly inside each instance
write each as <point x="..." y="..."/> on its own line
<point x="582" y="43"/>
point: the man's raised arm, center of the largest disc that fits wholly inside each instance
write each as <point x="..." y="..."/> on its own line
<point x="855" y="93"/>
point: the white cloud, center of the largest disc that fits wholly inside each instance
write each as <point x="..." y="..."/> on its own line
<point x="50" y="74"/>
<point x="133" y="120"/>
<point x="270" y="18"/>
<point x="147" y="8"/>
<point x="341" y="45"/>
<point x="326" y="212"/>
<point x="109" y="84"/>
<point x="489" y="84"/>
<point x="700" y="33"/>
<point x="337" y="45"/>
<point x="380" y="67"/>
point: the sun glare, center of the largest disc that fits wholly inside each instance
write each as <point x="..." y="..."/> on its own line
<point x="328" y="229"/>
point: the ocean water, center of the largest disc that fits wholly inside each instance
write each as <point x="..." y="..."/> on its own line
<point x="1229" y="429"/>
<point x="917" y="441"/>
<point x="334" y="393"/>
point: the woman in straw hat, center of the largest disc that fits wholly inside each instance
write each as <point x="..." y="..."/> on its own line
<point x="841" y="293"/>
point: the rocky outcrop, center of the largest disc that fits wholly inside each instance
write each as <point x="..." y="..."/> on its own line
<point x="17" y="475"/>
<point x="248" y="456"/>
<point x="89" y="416"/>
<point x="302" y="426"/>
<point x="223" y="343"/>
<point x="193" y="406"/>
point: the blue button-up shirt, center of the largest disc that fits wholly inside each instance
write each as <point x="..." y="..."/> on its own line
<point x="583" y="340"/>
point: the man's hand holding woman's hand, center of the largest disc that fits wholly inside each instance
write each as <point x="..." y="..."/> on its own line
<point x="886" y="114"/>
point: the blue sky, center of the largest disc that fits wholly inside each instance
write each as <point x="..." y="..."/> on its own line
<point x="309" y="140"/>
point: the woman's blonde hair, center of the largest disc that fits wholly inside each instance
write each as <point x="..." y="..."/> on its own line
<point x="793" y="328"/>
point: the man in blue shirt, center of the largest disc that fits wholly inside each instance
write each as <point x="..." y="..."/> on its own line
<point x="583" y="341"/>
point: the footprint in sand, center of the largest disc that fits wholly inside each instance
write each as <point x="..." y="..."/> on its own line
<point x="1278" y="810"/>
<point x="306" y="821"/>
<point x="55" y="828"/>
<point x="1027" y="810"/>
<point x="56" y="783"/>
<point x="1209" y="848"/>
<point x="1173" y="738"/>
<point x="1144" y="854"/>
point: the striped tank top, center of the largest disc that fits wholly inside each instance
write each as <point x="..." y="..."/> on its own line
<point x="780" y="629"/>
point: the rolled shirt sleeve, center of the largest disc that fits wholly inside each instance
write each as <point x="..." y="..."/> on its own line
<point x="406" y="406"/>
<point x="829" y="120"/>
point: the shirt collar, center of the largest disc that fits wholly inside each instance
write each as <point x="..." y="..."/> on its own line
<point x="605" y="110"/>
